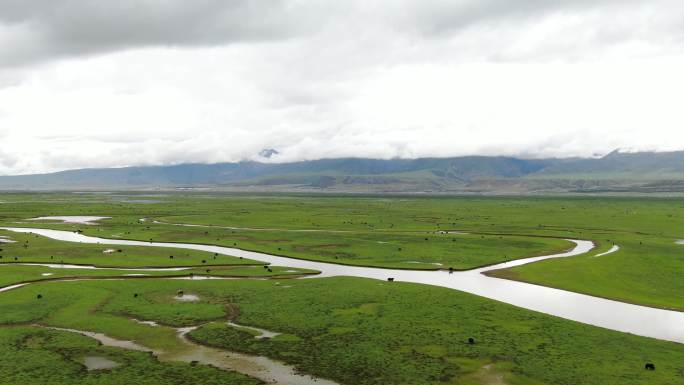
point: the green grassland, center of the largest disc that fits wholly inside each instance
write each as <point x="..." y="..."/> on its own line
<point x="352" y="330"/>
<point x="366" y="235"/>
<point x="391" y="232"/>
<point x="36" y="356"/>
<point x="411" y="250"/>
<point x="28" y="248"/>
<point x="355" y="331"/>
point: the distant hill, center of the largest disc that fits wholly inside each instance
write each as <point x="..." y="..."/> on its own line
<point x="617" y="165"/>
<point x="641" y="172"/>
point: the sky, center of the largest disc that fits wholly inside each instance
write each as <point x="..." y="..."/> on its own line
<point x="144" y="82"/>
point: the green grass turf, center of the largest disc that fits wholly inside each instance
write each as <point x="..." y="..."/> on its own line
<point x="358" y="331"/>
<point x="647" y="270"/>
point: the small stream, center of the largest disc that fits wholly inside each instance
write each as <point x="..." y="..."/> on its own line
<point x="611" y="251"/>
<point x="263" y="333"/>
<point x="263" y="368"/>
<point x="93" y="267"/>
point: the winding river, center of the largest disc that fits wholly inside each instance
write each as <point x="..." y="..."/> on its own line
<point x="640" y="320"/>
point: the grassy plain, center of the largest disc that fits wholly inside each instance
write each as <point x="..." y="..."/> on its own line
<point x="356" y="331"/>
<point x="366" y="232"/>
<point x="352" y="330"/>
<point x="391" y="232"/>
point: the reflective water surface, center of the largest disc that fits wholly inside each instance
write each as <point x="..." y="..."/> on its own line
<point x="263" y="333"/>
<point x="611" y="251"/>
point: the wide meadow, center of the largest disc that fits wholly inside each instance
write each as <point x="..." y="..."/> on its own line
<point x="342" y="329"/>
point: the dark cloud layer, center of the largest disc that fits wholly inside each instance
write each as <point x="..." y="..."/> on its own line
<point x="444" y="17"/>
<point x="36" y="31"/>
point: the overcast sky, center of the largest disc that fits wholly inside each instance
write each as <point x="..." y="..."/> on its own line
<point x="134" y="82"/>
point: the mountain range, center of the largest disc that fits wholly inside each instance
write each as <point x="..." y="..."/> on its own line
<point x="615" y="172"/>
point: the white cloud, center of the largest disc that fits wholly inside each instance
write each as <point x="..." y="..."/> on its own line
<point x="407" y="79"/>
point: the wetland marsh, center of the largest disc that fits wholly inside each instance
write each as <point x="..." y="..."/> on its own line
<point x="323" y="325"/>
